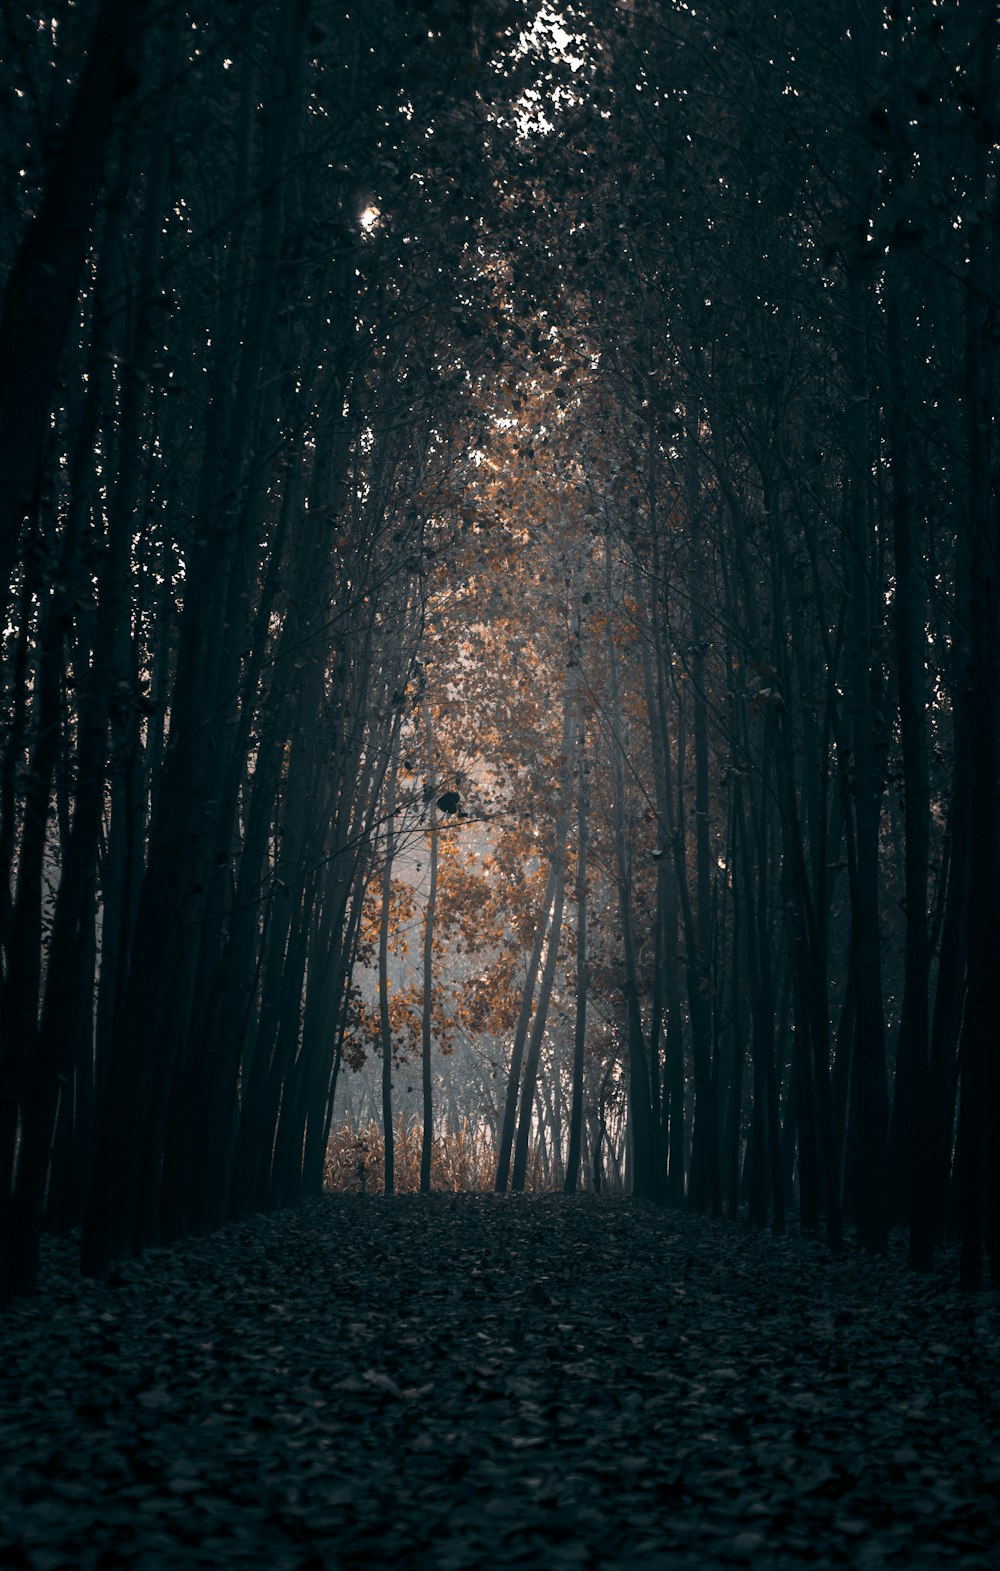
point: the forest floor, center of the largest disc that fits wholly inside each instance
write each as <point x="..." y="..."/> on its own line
<point x="473" y="1381"/>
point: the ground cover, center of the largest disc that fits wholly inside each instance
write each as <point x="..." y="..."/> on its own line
<point x="468" y="1381"/>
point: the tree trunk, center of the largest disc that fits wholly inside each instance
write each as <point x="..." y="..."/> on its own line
<point x="520" y="1036"/>
<point x="385" y="1026"/>
<point x="426" y="1018"/>
<point x="582" y="976"/>
<point x="647" y="1181"/>
<point x="866" y="938"/>
<point x="907" y="1164"/>
<point x="979" y="1120"/>
<point x="541" y="1009"/>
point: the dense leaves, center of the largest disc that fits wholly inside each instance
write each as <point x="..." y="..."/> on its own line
<point x="469" y="1380"/>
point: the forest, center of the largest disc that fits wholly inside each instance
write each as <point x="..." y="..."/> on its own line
<point x="500" y="581"/>
<point x="516" y="483"/>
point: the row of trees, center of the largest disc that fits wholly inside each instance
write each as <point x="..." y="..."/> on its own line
<point x="748" y="439"/>
<point x="563" y="438"/>
<point x="825" y="322"/>
<point x="226" y="415"/>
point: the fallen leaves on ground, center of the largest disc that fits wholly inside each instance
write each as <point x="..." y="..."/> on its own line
<point x="466" y="1381"/>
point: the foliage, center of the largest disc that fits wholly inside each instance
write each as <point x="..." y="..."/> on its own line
<point x="463" y="1160"/>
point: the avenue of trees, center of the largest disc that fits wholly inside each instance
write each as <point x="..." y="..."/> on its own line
<point x="499" y="554"/>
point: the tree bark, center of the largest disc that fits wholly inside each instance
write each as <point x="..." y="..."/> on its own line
<point x="520" y="1036"/>
<point x="866" y="939"/>
<point x="582" y="975"/>
<point x="909" y="1131"/>
<point x="426" y="1018"/>
<point x="385" y="1026"/>
<point x="541" y="1008"/>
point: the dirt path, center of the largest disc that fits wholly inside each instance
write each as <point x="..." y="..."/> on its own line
<point x="477" y="1382"/>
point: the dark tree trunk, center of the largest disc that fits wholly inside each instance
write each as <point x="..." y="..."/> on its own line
<point x="538" y="1023"/>
<point x="521" y="1035"/>
<point x="866" y="939"/>
<point x="426" y="1018"/>
<point x="385" y="1026"/>
<point x="908" y="1169"/>
<point x="582" y="976"/>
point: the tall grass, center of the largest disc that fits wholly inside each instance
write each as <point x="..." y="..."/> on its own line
<point x="463" y="1160"/>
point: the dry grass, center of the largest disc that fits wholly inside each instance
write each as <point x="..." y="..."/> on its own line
<point x="463" y="1160"/>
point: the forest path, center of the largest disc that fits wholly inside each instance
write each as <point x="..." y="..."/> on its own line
<point x="474" y="1381"/>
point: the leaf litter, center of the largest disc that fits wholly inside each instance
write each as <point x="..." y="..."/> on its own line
<point x="462" y="1381"/>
